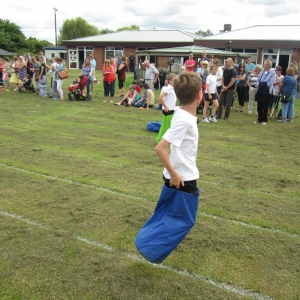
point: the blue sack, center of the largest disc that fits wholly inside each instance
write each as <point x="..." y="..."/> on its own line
<point x="153" y="126"/>
<point x="173" y="218"/>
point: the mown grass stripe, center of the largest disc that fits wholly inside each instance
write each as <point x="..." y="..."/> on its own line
<point x="272" y="230"/>
<point x="221" y="285"/>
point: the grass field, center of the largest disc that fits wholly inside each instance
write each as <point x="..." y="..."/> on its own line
<point x="78" y="180"/>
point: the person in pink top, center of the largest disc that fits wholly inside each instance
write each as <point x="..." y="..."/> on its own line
<point x="190" y="63"/>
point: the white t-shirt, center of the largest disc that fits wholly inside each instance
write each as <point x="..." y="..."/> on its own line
<point x="151" y="71"/>
<point x="219" y="75"/>
<point x="183" y="137"/>
<point x="54" y="64"/>
<point x="170" y="98"/>
<point x="212" y="81"/>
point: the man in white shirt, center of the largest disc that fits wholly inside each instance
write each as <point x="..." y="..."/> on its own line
<point x="151" y="74"/>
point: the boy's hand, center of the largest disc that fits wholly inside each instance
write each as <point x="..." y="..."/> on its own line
<point x="176" y="181"/>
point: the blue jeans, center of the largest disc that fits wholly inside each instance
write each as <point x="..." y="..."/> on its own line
<point x="288" y="108"/>
<point x="88" y="84"/>
<point x="53" y="88"/>
<point x="108" y="88"/>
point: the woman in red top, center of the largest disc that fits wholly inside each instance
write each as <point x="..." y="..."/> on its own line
<point x="109" y="78"/>
<point x="122" y="68"/>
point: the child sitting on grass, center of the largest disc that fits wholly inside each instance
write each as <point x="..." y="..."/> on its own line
<point x="147" y="100"/>
<point x="26" y="83"/>
<point x="131" y="96"/>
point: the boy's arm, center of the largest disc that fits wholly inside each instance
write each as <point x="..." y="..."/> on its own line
<point x="162" y="101"/>
<point x="162" y="152"/>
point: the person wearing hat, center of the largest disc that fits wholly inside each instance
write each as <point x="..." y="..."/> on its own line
<point x="151" y="74"/>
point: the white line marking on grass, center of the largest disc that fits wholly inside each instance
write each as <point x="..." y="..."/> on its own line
<point x="29" y="221"/>
<point x="272" y="230"/>
<point x="76" y="183"/>
<point x="135" y="257"/>
<point x="250" y="190"/>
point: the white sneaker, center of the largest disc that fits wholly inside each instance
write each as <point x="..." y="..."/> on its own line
<point x="212" y="119"/>
<point x="204" y="120"/>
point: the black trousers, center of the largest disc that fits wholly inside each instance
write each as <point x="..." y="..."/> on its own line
<point x="262" y="108"/>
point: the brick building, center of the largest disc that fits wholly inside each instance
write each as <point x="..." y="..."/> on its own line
<point x="125" y="42"/>
<point x="279" y="43"/>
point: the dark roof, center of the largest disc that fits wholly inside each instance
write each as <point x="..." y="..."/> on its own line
<point x="6" y="53"/>
<point x="56" y="48"/>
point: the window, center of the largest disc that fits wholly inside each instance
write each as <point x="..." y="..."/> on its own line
<point x="250" y="50"/>
<point x="239" y="50"/>
<point x="52" y="55"/>
<point x="113" y="51"/>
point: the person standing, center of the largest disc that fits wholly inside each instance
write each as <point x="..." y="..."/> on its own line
<point x="289" y="84"/>
<point x="36" y="71"/>
<point x="53" y="77"/>
<point x="121" y="71"/>
<point x="109" y="78"/>
<point x="249" y="67"/>
<point x="190" y="63"/>
<point x="22" y="68"/>
<point x="167" y="98"/>
<point x="264" y="86"/>
<point x="228" y="86"/>
<point x="93" y="76"/>
<point x="241" y="86"/>
<point x="219" y="75"/>
<point x="204" y="57"/>
<point x="131" y="63"/>
<point x="151" y="74"/>
<point x="59" y="81"/>
<point x="211" y="95"/>
<point x="42" y="78"/>
<point x="87" y="70"/>
<point x="252" y="86"/>
<point x="14" y="78"/>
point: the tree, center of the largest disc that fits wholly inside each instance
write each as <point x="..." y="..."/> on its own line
<point x="77" y="28"/>
<point x="131" y="27"/>
<point x="105" y="31"/>
<point x="34" y="45"/>
<point x="204" y="33"/>
<point x="11" y="37"/>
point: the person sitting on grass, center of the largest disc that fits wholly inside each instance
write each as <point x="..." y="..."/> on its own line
<point x="147" y="100"/>
<point x="129" y="97"/>
<point x="26" y="83"/>
<point x="137" y="87"/>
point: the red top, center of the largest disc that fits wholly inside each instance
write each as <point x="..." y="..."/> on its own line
<point x="138" y="89"/>
<point x="190" y="62"/>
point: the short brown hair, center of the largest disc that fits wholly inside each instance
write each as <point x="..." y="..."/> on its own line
<point x="170" y="76"/>
<point x="290" y="71"/>
<point x="123" y="58"/>
<point x="186" y="87"/>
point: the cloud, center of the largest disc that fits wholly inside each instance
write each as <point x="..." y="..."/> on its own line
<point x="266" y="2"/>
<point x="279" y="10"/>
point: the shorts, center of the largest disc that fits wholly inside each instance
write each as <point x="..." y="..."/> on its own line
<point x="121" y="84"/>
<point x="213" y="97"/>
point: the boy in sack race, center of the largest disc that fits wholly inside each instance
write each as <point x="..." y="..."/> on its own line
<point x="176" y="209"/>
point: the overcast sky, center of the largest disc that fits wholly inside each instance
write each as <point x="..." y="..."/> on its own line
<point x="36" y="18"/>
